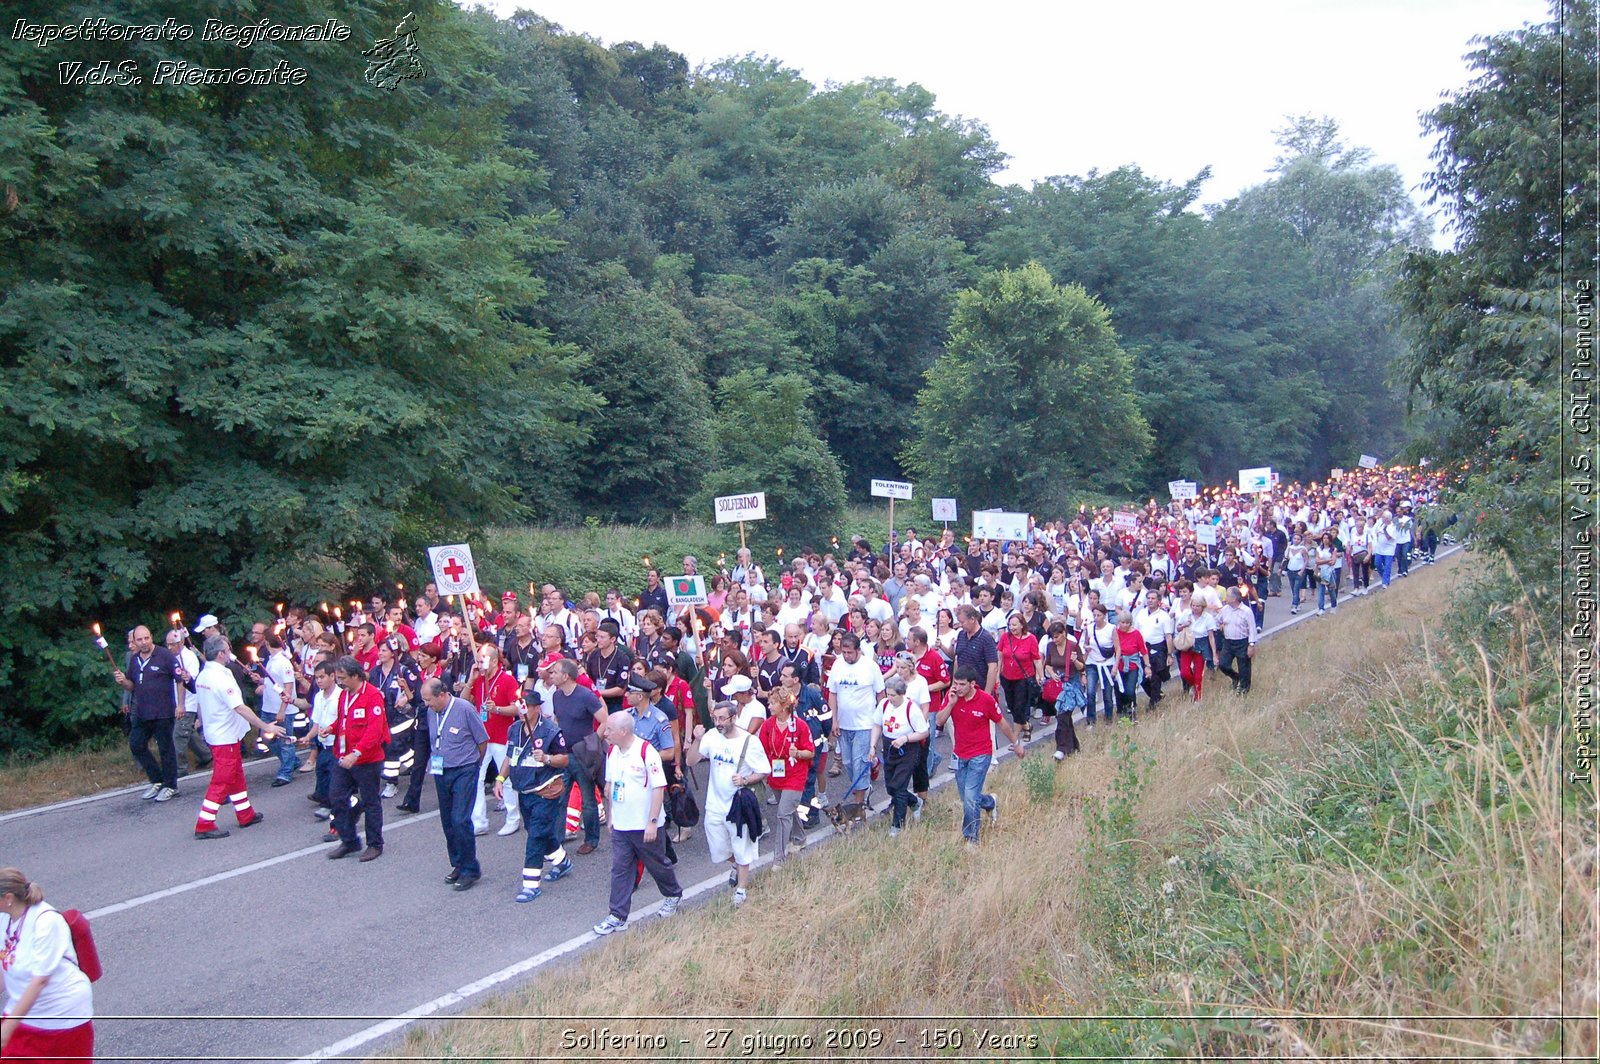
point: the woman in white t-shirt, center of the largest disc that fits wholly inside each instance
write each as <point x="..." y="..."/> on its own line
<point x="899" y="737"/>
<point x="1295" y="559"/>
<point x="49" y="1005"/>
<point x="1100" y="655"/>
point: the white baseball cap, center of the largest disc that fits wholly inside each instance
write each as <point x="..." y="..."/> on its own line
<point x="208" y="621"/>
<point x="738" y="685"/>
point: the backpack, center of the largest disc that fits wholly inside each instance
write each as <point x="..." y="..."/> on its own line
<point x="83" y="944"/>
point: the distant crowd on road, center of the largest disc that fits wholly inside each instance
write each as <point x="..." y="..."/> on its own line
<point x="582" y="708"/>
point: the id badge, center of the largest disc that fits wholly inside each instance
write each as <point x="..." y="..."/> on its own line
<point x="522" y="672"/>
<point x="436" y="765"/>
<point x="616" y="792"/>
<point x="483" y="714"/>
<point x="779" y="768"/>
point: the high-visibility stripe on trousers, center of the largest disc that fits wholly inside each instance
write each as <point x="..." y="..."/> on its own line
<point x="397" y="752"/>
<point x="227" y="784"/>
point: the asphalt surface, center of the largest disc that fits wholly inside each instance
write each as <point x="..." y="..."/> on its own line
<point x="256" y="947"/>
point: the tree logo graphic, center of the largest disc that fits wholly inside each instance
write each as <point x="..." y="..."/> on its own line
<point x="396" y="59"/>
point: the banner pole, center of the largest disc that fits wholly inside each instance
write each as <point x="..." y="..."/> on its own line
<point x="741" y="535"/>
<point x="891" y="523"/>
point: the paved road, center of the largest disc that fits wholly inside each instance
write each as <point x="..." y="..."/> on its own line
<point x="257" y="947"/>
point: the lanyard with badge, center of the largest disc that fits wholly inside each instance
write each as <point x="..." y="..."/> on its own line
<point x="518" y="753"/>
<point x="488" y="688"/>
<point x="436" y="761"/>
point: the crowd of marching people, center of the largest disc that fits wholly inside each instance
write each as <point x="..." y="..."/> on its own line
<point x="799" y="683"/>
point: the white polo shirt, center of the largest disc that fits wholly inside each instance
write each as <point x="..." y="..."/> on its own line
<point x="219" y="694"/>
<point x="630" y="779"/>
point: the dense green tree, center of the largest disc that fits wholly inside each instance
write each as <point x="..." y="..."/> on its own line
<point x="249" y="335"/>
<point x="763" y="439"/>
<point x="650" y="436"/>
<point x="1031" y="400"/>
<point x="1491" y="317"/>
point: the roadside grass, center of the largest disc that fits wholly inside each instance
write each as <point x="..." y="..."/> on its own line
<point x="1189" y="871"/>
<point x="73" y="773"/>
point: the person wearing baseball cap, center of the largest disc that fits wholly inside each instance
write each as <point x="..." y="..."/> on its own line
<point x="748" y="713"/>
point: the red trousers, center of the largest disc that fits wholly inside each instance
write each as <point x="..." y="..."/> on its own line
<point x="227" y="785"/>
<point x="1192" y="667"/>
<point x="75" y="1045"/>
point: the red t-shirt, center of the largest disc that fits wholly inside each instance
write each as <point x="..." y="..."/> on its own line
<point x="1130" y="644"/>
<point x="503" y="691"/>
<point x="932" y="668"/>
<point x="788" y="772"/>
<point x="367" y="659"/>
<point x="1017" y="656"/>
<point x="970" y="720"/>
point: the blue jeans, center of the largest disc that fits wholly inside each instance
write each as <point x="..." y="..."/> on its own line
<point x="284" y="749"/>
<point x="1107" y="690"/>
<point x="1328" y="591"/>
<point x="1297" y="580"/>
<point x="325" y="760"/>
<point x="1385" y="564"/>
<point x="457" y="790"/>
<point x="1402" y="558"/>
<point x="855" y="744"/>
<point x="970" y="774"/>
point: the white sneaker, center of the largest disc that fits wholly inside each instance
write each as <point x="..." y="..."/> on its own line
<point x="739" y="897"/>
<point x="994" y="814"/>
<point x="610" y="925"/>
<point x="669" y="906"/>
<point x="150" y="792"/>
<point x="916" y="813"/>
<point x="894" y="832"/>
<point x="166" y="794"/>
<point x="1320" y="612"/>
<point x="1059" y="755"/>
<point x="389" y="790"/>
<point x="511" y="828"/>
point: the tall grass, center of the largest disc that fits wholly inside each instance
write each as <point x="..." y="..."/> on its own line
<point x="1363" y="835"/>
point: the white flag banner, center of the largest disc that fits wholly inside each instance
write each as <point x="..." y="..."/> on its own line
<point x="732" y="508"/>
<point x="1182" y="490"/>
<point x="1369" y="462"/>
<point x="999" y="524"/>
<point x="1123" y="521"/>
<point x="453" y="571"/>
<point x="1252" y="481"/>
<point x="891" y="489"/>
<point x="944" y="509"/>
<point x="1206" y="533"/>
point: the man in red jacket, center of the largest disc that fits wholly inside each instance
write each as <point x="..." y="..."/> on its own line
<point x="360" y="731"/>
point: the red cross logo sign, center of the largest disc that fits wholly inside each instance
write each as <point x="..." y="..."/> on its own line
<point x="453" y="569"/>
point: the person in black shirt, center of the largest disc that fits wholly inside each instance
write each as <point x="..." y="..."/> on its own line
<point x="608" y="665"/>
<point x="152" y="711"/>
<point x="654" y="596"/>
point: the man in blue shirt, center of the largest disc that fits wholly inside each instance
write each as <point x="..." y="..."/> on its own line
<point x="458" y="740"/>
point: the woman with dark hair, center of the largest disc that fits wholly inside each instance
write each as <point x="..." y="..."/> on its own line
<point x="1063" y="685"/>
<point x="398" y="678"/>
<point x="1021" y="666"/>
<point x="48" y="1004"/>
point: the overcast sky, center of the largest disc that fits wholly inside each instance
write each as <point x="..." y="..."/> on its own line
<point x="1069" y="86"/>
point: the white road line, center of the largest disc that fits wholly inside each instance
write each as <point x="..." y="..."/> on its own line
<point x="196" y="884"/>
<point x="461" y="994"/>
